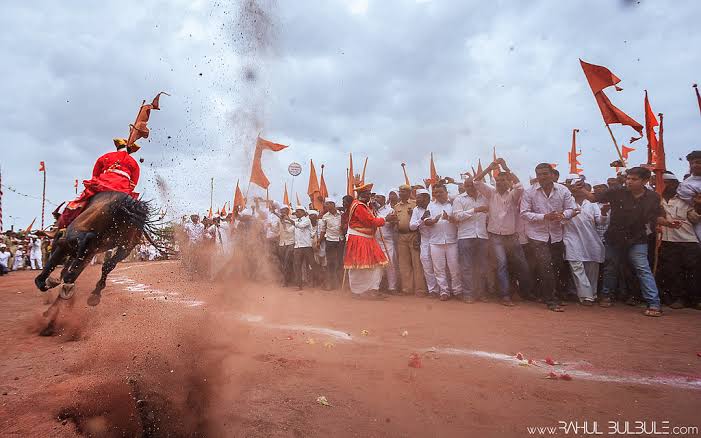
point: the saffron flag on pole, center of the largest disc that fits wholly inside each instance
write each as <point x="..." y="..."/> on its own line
<point x="29" y="228"/>
<point x="239" y="200"/>
<point x="299" y="203"/>
<point x="362" y="176"/>
<point x="572" y="155"/>
<point x="661" y="161"/>
<point x="479" y="168"/>
<point x="140" y="127"/>
<point x="495" y="172"/>
<point x="257" y="175"/>
<point x="625" y="151"/>
<point x="286" y="197"/>
<point x="600" y="77"/>
<point x="650" y="123"/>
<point x="313" y="188"/>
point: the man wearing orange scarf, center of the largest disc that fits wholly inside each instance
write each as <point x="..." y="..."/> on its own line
<point x="364" y="259"/>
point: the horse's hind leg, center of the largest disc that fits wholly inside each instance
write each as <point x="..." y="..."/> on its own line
<point x="107" y="267"/>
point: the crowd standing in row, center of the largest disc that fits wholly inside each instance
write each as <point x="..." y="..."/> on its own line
<point x="547" y="242"/>
<point x="20" y="252"/>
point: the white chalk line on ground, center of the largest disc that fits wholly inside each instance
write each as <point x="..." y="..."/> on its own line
<point x="156" y="294"/>
<point x="539" y="366"/>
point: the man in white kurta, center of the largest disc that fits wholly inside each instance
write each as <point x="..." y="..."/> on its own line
<point x="419" y="213"/>
<point x="584" y="250"/>
<point x="35" y="256"/>
<point x="444" y="244"/>
<point x="385" y="238"/>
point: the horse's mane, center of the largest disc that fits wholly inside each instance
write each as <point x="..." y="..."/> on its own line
<point x="140" y="214"/>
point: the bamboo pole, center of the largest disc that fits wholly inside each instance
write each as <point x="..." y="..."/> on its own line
<point x="618" y="150"/>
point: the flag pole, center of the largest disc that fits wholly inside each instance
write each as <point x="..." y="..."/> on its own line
<point x="618" y="150"/>
<point x="43" y="199"/>
<point x="211" y="194"/>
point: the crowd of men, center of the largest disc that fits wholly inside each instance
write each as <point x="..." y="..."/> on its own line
<point x="544" y="240"/>
<point x="22" y="251"/>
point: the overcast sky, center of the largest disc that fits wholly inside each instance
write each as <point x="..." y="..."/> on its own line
<point x="390" y="79"/>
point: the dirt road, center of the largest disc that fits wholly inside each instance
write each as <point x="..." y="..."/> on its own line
<point x="162" y="355"/>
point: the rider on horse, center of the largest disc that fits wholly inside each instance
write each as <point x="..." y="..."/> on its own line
<point x="113" y="172"/>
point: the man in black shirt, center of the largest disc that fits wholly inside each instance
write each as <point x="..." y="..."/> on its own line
<point x="635" y="213"/>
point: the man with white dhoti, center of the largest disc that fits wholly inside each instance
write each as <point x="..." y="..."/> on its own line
<point x="364" y="259"/>
<point x="35" y="256"/>
<point x="584" y="250"/>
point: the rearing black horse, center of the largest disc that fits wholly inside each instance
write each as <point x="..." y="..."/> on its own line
<point x="112" y="220"/>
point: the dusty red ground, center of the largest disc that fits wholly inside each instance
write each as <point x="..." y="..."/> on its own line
<point x="139" y="364"/>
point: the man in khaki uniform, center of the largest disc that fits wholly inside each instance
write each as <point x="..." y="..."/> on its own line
<point x="410" y="269"/>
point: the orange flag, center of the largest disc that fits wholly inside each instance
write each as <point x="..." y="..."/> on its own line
<point x="479" y="168"/>
<point x="140" y="127"/>
<point x="298" y="201"/>
<point x="209" y="215"/>
<point x="625" y="151"/>
<point x="239" y="200"/>
<point x="573" y="155"/>
<point x="661" y="162"/>
<point x="29" y="228"/>
<point x="223" y="210"/>
<point x="350" y="185"/>
<point x="313" y="188"/>
<point x="322" y="185"/>
<point x="433" y="174"/>
<point x="600" y="77"/>
<point x="362" y="176"/>
<point x="257" y="175"/>
<point x="650" y="123"/>
<point x="286" y="197"/>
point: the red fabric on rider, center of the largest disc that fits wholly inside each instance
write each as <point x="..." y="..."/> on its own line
<point x="113" y="172"/>
<point x="363" y="252"/>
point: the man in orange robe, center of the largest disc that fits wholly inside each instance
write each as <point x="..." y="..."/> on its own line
<point x="364" y="259"/>
<point x="113" y="172"/>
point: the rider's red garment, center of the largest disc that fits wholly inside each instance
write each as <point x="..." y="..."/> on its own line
<point x="113" y="172"/>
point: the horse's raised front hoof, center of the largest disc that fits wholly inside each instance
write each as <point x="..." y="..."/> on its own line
<point x="94" y="299"/>
<point x="41" y="284"/>
<point x="67" y="291"/>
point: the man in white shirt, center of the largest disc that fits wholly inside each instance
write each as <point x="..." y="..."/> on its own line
<point x="303" y="252"/>
<point x="544" y="206"/>
<point x="584" y="249"/>
<point x="4" y="259"/>
<point x="470" y="215"/>
<point x="35" y="256"/>
<point x="679" y="272"/>
<point x="330" y="233"/>
<point x="319" y="248"/>
<point x="287" y="244"/>
<point x="502" y="227"/>
<point x="385" y="238"/>
<point x="194" y="229"/>
<point x="418" y="214"/>
<point x="444" y="244"/>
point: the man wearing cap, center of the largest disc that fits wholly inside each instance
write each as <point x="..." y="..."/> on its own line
<point x="444" y="244"/>
<point x="416" y="223"/>
<point x="408" y="246"/>
<point x="303" y="253"/>
<point x="363" y="259"/>
<point x="330" y="233"/>
<point x="680" y="254"/>
<point x="113" y="172"/>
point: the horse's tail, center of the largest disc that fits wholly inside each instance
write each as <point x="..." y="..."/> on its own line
<point x="141" y="216"/>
